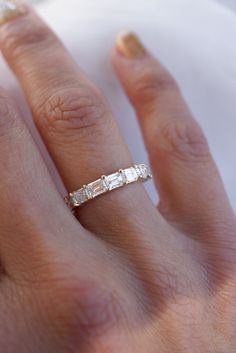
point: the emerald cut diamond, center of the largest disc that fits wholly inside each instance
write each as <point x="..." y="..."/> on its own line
<point x="80" y="197"/>
<point x="96" y="188"/>
<point x="130" y="175"/>
<point x="143" y="171"/>
<point x="115" y="180"/>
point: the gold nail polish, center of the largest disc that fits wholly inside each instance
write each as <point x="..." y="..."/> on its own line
<point x="129" y="44"/>
<point x="10" y="9"/>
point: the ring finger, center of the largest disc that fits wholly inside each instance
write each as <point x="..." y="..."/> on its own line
<point x="72" y="116"/>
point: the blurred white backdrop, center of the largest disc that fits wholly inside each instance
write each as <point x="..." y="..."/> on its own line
<point x="229" y="3"/>
<point x="194" y="39"/>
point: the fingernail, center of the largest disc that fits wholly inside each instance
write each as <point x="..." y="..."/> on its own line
<point x="129" y="44"/>
<point x="10" y="9"/>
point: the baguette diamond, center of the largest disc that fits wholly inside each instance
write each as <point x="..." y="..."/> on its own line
<point x="80" y="196"/>
<point x="131" y="175"/>
<point x="143" y="171"/>
<point x="108" y="183"/>
<point x="115" y="180"/>
<point x="96" y="188"/>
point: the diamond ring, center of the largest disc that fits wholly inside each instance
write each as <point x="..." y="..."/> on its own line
<point x="108" y="183"/>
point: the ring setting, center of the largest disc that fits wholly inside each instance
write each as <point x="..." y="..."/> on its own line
<point x="108" y="183"/>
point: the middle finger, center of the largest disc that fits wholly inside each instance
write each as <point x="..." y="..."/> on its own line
<point x="73" y="118"/>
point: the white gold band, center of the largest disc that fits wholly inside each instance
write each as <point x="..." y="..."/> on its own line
<point x="108" y="183"/>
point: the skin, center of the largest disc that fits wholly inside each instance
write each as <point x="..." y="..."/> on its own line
<point x="122" y="276"/>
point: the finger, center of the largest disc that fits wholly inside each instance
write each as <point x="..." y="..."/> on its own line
<point x="72" y="116"/>
<point x="36" y="228"/>
<point x="39" y="246"/>
<point x="190" y="188"/>
<point x="27" y="194"/>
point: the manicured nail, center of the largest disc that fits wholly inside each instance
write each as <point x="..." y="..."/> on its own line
<point x="10" y="9"/>
<point x="129" y="44"/>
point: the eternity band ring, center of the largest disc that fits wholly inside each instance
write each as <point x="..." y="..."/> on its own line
<point x="107" y="183"/>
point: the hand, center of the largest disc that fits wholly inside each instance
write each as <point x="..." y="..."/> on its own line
<point x="125" y="276"/>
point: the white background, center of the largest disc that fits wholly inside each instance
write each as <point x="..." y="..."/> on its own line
<point x="195" y="39"/>
<point x="230" y="3"/>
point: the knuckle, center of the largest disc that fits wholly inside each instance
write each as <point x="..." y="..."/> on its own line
<point x="150" y="84"/>
<point x="71" y="109"/>
<point x="82" y="313"/>
<point x="183" y="140"/>
<point x="24" y="35"/>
